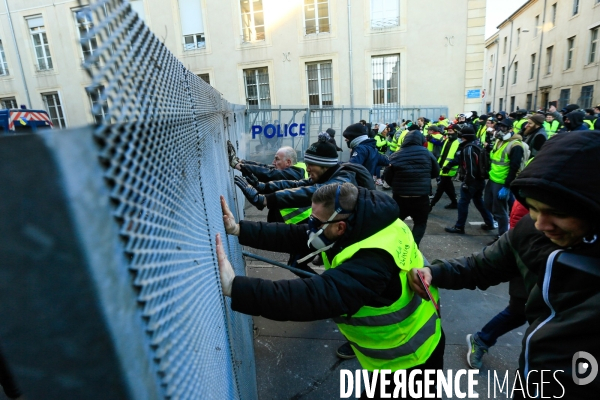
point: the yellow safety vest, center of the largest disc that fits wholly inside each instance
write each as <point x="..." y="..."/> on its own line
<point x="450" y="157"/>
<point x="481" y="133"/>
<point x="499" y="158"/>
<point x="518" y="125"/>
<point x="296" y="215"/>
<point x="401" y="335"/>
<point x="303" y="166"/>
<point x="551" y="128"/>
<point x="431" y="146"/>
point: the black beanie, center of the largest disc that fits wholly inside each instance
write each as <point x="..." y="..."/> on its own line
<point x="322" y="153"/>
<point x="331" y="132"/>
<point x="560" y="176"/>
<point x="413" y="127"/>
<point x="468" y="133"/>
<point x="354" y="131"/>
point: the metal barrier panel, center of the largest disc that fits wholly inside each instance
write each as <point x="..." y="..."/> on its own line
<point x="162" y="159"/>
<point x="267" y="129"/>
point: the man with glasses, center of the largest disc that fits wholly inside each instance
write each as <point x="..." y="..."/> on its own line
<point x="367" y="252"/>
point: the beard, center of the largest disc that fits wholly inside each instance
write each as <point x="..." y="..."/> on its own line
<point x="530" y="129"/>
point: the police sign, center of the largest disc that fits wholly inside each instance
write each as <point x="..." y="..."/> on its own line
<point x="270" y="130"/>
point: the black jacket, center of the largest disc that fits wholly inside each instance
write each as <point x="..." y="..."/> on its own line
<point x="535" y="140"/>
<point x="370" y="277"/>
<point x="298" y="193"/>
<point x="367" y="155"/>
<point x="467" y="158"/>
<point x="268" y="173"/>
<point x="412" y="168"/>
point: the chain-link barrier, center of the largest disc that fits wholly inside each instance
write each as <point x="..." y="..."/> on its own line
<point x="162" y="146"/>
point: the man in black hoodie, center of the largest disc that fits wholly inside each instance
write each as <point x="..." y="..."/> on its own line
<point x="573" y="121"/>
<point x="557" y="252"/>
<point x="367" y="253"/>
<point x="410" y="173"/>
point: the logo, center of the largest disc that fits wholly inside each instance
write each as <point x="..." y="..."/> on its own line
<point x="582" y="368"/>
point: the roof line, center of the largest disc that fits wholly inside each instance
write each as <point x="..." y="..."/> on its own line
<point x="516" y="12"/>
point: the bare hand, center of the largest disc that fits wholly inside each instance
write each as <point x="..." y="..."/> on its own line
<point x="415" y="282"/>
<point x="226" y="272"/>
<point x="552" y="109"/>
<point x="231" y="228"/>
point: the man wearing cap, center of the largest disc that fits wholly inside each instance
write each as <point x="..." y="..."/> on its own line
<point x="285" y="165"/>
<point x="445" y="184"/>
<point x="534" y="134"/>
<point x="292" y="197"/>
<point x="520" y="121"/>
<point x="363" y="150"/>
<point x="556" y="250"/>
<point x="367" y="254"/>
<point x="505" y="157"/>
<point x="331" y="133"/>
<point x="481" y="128"/>
<point x="435" y="140"/>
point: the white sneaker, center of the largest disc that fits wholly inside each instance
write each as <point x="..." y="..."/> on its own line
<point x="386" y="186"/>
<point x="379" y="182"/>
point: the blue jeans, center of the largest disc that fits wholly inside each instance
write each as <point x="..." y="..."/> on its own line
<point x="499" y="208"/>
<point x="472" y="192"/>
<point x="508" y="319"/>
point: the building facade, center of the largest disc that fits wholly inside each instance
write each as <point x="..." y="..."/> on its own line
<point x="262" y="53"/>
<point x="546" y="52"/>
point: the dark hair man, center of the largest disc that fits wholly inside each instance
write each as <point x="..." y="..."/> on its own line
<point x="557" y="252"/>
<point x="367" y="254"/>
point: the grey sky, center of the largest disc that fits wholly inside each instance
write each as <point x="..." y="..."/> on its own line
<point x="498" y="11"/>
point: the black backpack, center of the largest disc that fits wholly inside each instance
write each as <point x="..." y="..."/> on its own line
<point x="483" y="161"/>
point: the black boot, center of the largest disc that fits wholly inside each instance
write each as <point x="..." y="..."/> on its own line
<point x="451" y="206"/>
<point x="455" y="229"/>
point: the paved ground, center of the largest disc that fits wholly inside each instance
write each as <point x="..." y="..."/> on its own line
<point x="297" y="360"/>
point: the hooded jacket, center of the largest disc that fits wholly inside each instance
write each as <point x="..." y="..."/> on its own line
<point x="367" y="155"/>
<point x="576" y="122"/>
<point x="535" y="140"/>
<point x="370" y="277"/>
<point x="412" y="168"/>
<point x="563" y="300"/>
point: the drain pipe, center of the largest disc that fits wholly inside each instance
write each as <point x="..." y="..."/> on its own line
<point x="539" y="59"/>
<point x="350" y="64"/>
<point x="12" y="30"/>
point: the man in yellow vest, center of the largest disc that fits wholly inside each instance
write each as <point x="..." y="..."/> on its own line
<point x="368" y="253"/>
<point x="520" y="121"/>
<point x="505" y="157"/>
<point x="445" y="184"/>
<point x="551" y="125"/>
<point x="435" y="139"/>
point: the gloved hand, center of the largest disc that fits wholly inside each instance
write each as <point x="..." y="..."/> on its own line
<point x="446" y="169"/>
<point x="257" y="200"/>
<point x="503" y="193"/>
<point x="253" y="180"/>
<point x="233" y="158"/>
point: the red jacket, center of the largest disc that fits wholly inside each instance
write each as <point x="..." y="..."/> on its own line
<point x="518" y="211"/>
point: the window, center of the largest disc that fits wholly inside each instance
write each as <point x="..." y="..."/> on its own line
<point x="490" y="87"/>
<point x="54" y="108"/>
<point x="83" y="20"/>
<point x="385" y="72"/>
<point x="8" y="102"/>
<point x="138" y="7"/>
<point x="564" y="99"/>
<point x="492" y="60"/>
<point x="99" y="107"/>
<point x="554" y="14"/>
<point x="518" y="37"/>
<point x="205" y="78"/>
<point x="502" y="76"/>
<point x="253" y="21"/>
<point x="316" y="16"/>
<point x="501" y="105"/>
<point x="532" y="71"/>
<point x="587" y="94"/>
<point x="529" y="101"/>
<point x="512" y="103"/>
<point x="549" y="52"/>
<point x="40" y="43"/>
<point x="515" y="73"/>
<point x="505" y="44"/>
<point x="593" y="45"/>
<point x="570" y="51"/>
<point x="537" y="26"/>
<point x="575" y="7"/>
<point x="385" y="13"/>
<point x="3" y="64"/>
<point x="258" y="94"/>
<point x="320" y="84"/>
<point x="192" y="24"/>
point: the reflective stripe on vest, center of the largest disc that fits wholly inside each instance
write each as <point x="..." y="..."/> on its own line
<point x="589" y="123"/>
<point x="450" y="157"/>
<point x="403" y="334"/>
<point x="295" y="215"/>
<point x="518" y="125"/>
<point x="500" y="163"/>
<point x="303" y="166"/>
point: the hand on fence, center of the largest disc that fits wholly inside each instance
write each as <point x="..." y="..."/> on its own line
<point x="233" y="158"/>
<point x="253" y="180"/>
<point x="226" y="272"/>
<point x="231" y="227"/>
<point x="256" y="199"/>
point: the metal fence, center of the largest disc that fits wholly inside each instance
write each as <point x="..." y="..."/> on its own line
<point x="161" y="147"/>
<point x="267" y="129"/>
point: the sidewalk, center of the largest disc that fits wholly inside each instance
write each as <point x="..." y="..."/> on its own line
<point x="296" y="360"/>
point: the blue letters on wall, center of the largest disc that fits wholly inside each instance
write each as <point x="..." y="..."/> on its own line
<point x="270" y="130"/>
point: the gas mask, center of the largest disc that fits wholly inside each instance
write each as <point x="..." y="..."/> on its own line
<point x="316" y="232"/>
<point x="503" y="133"/>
